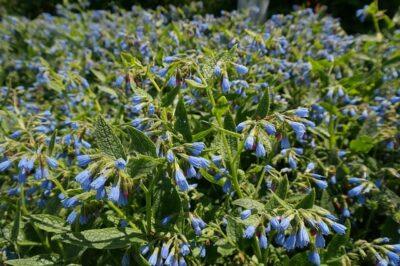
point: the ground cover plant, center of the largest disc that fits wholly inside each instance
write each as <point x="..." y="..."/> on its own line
<point x="160" y="137"/>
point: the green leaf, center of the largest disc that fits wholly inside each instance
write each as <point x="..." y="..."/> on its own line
<point x="221" y="107"/>
<point x="16" y="225"/>
<point x="338" y="241"/>
<point x="263" y="105"/>
<point x="105" y="238"/>
<point x="282" y="188"/>
<point x="202" y="134"/>
<point x="142" y="165"/>
<point x="108" y="90"/>
<point x="166" y="199"/>
<point x="233" y="229"/>
<point x="130" y="61"/>
<point x="226" y="249"/>
<point x="49" y="223"/>
<point x="52" y="142"/>
<point x="106" y="139"/>
<point x="229" y="124"/>
<point x="362" y="144"/>
<point x="169" y="97"/>
<point x="100" y="76"/>
<point x="307" y="202"/>
<point x="299" y="259"/>
<point x="182" y="121"/>
<point x="39" y="260"/>
<point x="140" y="142"/>
<point x="249" y="204"/>
<point x="195" y="84"/>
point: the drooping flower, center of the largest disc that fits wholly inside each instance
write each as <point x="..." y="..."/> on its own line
<point x="249" y="231"/>
<point x="199" y="162"/>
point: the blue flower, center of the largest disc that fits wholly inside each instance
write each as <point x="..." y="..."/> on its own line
<point x="284" y="224"/>
<point x="199" y="162"/>
<point x="346" y="213"/>
<point x="299" y="129"/>
<point x="180" y="180"/>
<point x="182" y="262"/>
<point x="270" y="129"/>
<point x="314" y="258"/>
<point x="170" y="156"/>
<point x="249" y="231"/>
<point x="184" y="249"/>
<point x="84" y="179"/>
<point x="241" y="70"/>
<point x="119" y="81"/>
<point x="339" y="228"/>
<point x="51" y="162"/>
<point x="290" y="242"/>
<point x="26" y="164"/>
<point x="72" y="217"/>
<point x="227" y="186"/>
<point x="154" y="257"/>
<point x="303" y="238"/>
<point x="274" y="223"/>
<point x="241" y="126"/>
<point x="249" y="143"/>
<point x="172" y="82"/>
<point x="263" y="241"/>
<point x="285" y="144"/>
<point x="144" y="249"/>
<point x="301" y="112"/>
<point x="217" y="71"/>
<point x="70" y="202"/>
<point x="191" y="172"/>
<point x="16" y="134"/>
<point x="226" y="85"/>
<point x="120" y="164"/>
<point x="5" y="165"/>
<point x="117" y="196"/>
<point x="245" y="214"/>
<point x="41" y="173"/>
<point x="319" y="241"/>
<point x="321" y="183"/>
<point x="83" y="160"/>
<point x="356" y="191"/>
<point x="165" y="250"/>
<point x="280" y="239"/>
<point x="202" y="251"/>
<point x="260" y="150"/>
<point x="292" y="162"/>
<point x="196" y="148"/>
<point x="393" y="257"/>
<point x="98" y="183"/>
<point x="323" y="227"/>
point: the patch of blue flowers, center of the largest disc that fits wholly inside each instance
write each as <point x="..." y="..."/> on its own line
<point x="163" y="137"/>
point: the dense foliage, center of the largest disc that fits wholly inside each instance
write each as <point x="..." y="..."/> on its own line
<point x="163" y="137"/>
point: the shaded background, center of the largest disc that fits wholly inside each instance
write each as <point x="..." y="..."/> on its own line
<point x="343" y="9"/>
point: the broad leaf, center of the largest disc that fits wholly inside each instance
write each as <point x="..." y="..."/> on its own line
<point x="182" y="121"/>
<point x="106" y="139"/>
<point x="140" y="142"/>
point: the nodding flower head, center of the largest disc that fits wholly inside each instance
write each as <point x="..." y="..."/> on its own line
<point x="302" y="238"/>
<point x="260" y="150"/>
<point x="120" y="164"/>
<point x="117" y="196"/>
<point x="241" y="69"/>
<point x="270" y="129"/>
<point x="180" y="179"/>
<point x="249" y="231"/>
<point x="226" y="85"/>
<point x="196" y="148"/>
<point x="301" y="112"/>
<point x="5" y="165"/>
<point x="249" y="142"/>
<point x="245" y="214"/>
<point x="199" y="162"/>
<point x="83" y="160"/>
<point x="314" y="258"/>
<point x="170" y="156"/>
<point x="51" y="162"/>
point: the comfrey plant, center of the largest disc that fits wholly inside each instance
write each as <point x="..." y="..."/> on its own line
<point x="123" y="141"/>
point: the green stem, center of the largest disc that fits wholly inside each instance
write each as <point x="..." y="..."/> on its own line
<point x="256" y="246"/>
<point x="148" y="207"/>
<point x="120" y="213"/>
